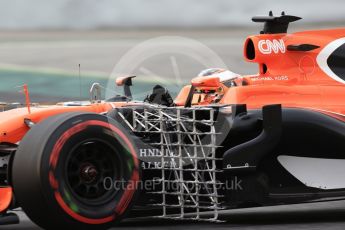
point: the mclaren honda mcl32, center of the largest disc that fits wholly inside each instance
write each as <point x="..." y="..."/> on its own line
<point x="226" y="141"/>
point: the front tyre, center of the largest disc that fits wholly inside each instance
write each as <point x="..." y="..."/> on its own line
<point x="76" y="171"/>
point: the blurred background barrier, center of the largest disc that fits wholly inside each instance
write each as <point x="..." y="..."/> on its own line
<point x="91" y="14"/>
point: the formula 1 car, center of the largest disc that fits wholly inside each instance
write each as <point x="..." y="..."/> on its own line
<point x="226" y="141"/>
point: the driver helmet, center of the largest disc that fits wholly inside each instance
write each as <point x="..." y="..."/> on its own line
<point x="223" y="74"/>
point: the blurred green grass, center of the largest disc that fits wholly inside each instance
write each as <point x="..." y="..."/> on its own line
<point x="51" y="84"/>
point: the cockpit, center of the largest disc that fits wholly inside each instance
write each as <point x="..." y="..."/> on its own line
<point x="208" y="87"/>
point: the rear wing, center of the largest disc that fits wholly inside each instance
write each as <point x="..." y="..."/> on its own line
<point x="274" y="24"/>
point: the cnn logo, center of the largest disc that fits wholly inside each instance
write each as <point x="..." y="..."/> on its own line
<point x="268" y="46"/>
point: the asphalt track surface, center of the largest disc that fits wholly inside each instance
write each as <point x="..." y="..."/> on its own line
<point x="48" y="62"/>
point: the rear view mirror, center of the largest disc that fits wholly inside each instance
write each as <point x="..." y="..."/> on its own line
<point x="126" y="80"/>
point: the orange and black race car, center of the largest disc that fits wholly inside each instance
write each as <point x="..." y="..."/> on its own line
<point x="226" y="141"/>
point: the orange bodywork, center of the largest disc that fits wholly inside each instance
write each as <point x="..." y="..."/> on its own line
<point x="6" y="196"/>
<point x="13" y="128"/>
<point x="293" y="78"/>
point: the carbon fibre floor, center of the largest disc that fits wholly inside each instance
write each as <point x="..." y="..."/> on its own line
<point x="327" y="215"/>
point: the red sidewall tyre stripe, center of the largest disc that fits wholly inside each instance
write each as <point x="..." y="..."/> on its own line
<point x="128" y="193"/>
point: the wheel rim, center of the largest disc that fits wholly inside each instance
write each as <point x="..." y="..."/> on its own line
<point x="88" y="166"/>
